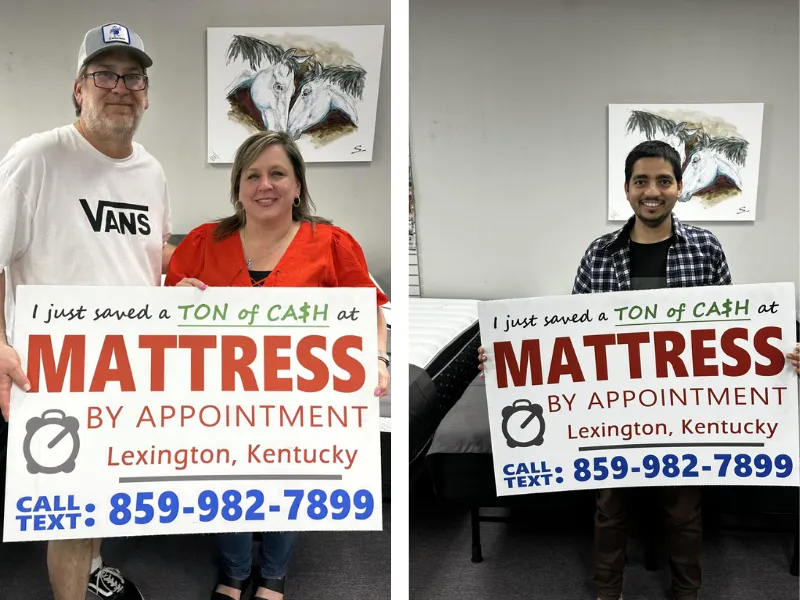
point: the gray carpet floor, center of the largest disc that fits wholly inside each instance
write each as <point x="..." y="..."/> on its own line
<point x="526" y="561"/>
<point x="333" y="565"/>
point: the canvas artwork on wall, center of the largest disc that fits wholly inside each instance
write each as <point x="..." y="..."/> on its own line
<point x="318" y="84"/>
<point x="719" y="147"/>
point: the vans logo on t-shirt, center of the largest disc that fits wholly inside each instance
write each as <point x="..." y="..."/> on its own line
<point x="118" y="216"/>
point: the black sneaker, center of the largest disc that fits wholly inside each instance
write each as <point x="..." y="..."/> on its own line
<point x="109" y="584"/>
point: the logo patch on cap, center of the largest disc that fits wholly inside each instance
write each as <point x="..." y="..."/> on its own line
<point x="115" y="33"/>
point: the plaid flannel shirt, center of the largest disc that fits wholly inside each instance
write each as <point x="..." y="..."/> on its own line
<point x="694" y="259"/>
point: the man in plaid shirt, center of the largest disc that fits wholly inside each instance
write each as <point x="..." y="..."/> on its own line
<point x="653" y="250"/>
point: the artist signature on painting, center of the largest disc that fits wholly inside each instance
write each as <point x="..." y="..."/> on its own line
<point x="742" y="210"/>
<point x="357" y="149"/>
<point x="214" y="157"/>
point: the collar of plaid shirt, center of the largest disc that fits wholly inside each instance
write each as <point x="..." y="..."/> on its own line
<point x="696" y="258"/>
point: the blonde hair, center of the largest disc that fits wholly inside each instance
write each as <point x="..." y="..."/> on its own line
<point x="246" y="155"/>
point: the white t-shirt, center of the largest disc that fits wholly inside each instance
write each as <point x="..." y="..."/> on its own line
<point x="70" y="215"/>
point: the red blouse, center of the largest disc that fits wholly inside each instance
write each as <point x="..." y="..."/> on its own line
<point x="318" y="256"/>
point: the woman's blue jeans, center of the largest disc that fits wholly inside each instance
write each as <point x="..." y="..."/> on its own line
<point x="236" y="554"/>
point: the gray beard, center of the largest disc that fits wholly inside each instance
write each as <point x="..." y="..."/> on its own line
<point x="121" y="129"/>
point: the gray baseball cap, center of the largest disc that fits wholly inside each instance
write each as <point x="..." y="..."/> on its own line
<point x="111" y="37"/>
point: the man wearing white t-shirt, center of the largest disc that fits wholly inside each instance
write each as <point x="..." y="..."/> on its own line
<point x="84" y="205"/>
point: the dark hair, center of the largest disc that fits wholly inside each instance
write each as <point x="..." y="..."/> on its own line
<point x="654" y="149"/>
<point x="245" y="156"/>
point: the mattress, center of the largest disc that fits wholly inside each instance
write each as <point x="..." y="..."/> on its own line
<point x="443" y="359"/>
<point x="465" y="429"/>
<point x="434" y="324"/>
<point x="460" y="455"/>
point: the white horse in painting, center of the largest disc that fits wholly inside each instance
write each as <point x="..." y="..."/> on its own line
<point x="705" y="166"/>
<point x="325" y="89"/>
<point x="676" y="142"/>
<point x="708" y="159"/>
<point x="271" y="87"/>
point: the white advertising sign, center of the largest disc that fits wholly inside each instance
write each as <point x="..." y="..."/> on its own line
<point x="174" y="410"/>
<point x="666" y="387"/>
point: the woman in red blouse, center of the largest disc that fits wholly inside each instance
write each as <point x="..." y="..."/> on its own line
<point x="272" y="239"/>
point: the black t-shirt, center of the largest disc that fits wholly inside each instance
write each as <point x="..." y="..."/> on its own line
<point x="257" y="277"/>
<point x="649" y="264"/>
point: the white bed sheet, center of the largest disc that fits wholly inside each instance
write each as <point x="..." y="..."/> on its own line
<point x="433" y="323"/>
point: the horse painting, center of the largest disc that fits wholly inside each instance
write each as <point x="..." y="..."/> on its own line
<point x="263" y="93"/>
<point x="710" y="166"/>
<point x="323" y="90"/>
<point x="316" y="85"/>
<point x="713" y="166"/>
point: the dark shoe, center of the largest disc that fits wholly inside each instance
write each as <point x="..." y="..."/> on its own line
<point x="238" y="584"/>
<point x="275" y="585"/>
<point x="109" y="584"/>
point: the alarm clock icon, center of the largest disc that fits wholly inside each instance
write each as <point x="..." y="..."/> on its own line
<point x="51" y="443"/>
<point x="518" y="427"/>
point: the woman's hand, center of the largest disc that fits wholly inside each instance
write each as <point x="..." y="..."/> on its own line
<point x="190" y="282"/>
<point x="795" y="358"/>
<point x="482" y="358"/>
<point x="383" y="380"/>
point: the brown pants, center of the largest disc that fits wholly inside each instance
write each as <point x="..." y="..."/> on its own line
<point x="684" y="539"/>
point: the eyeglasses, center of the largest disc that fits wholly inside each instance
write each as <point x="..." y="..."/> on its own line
<point x="134" y="82"/>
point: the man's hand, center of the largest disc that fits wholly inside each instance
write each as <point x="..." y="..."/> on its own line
<point x="482" y="358"/>
<point x="10" y="372"/>
<point x="795" y="358"/>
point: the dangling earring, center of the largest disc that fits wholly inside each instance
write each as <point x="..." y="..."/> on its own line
<point x="238" y="206"/>
<point x="296" y="201"/>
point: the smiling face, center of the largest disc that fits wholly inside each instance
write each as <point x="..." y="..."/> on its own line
<point x="115" y="113"/>
<point x="652" y="190"/>
<point x="268" y="187"/>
